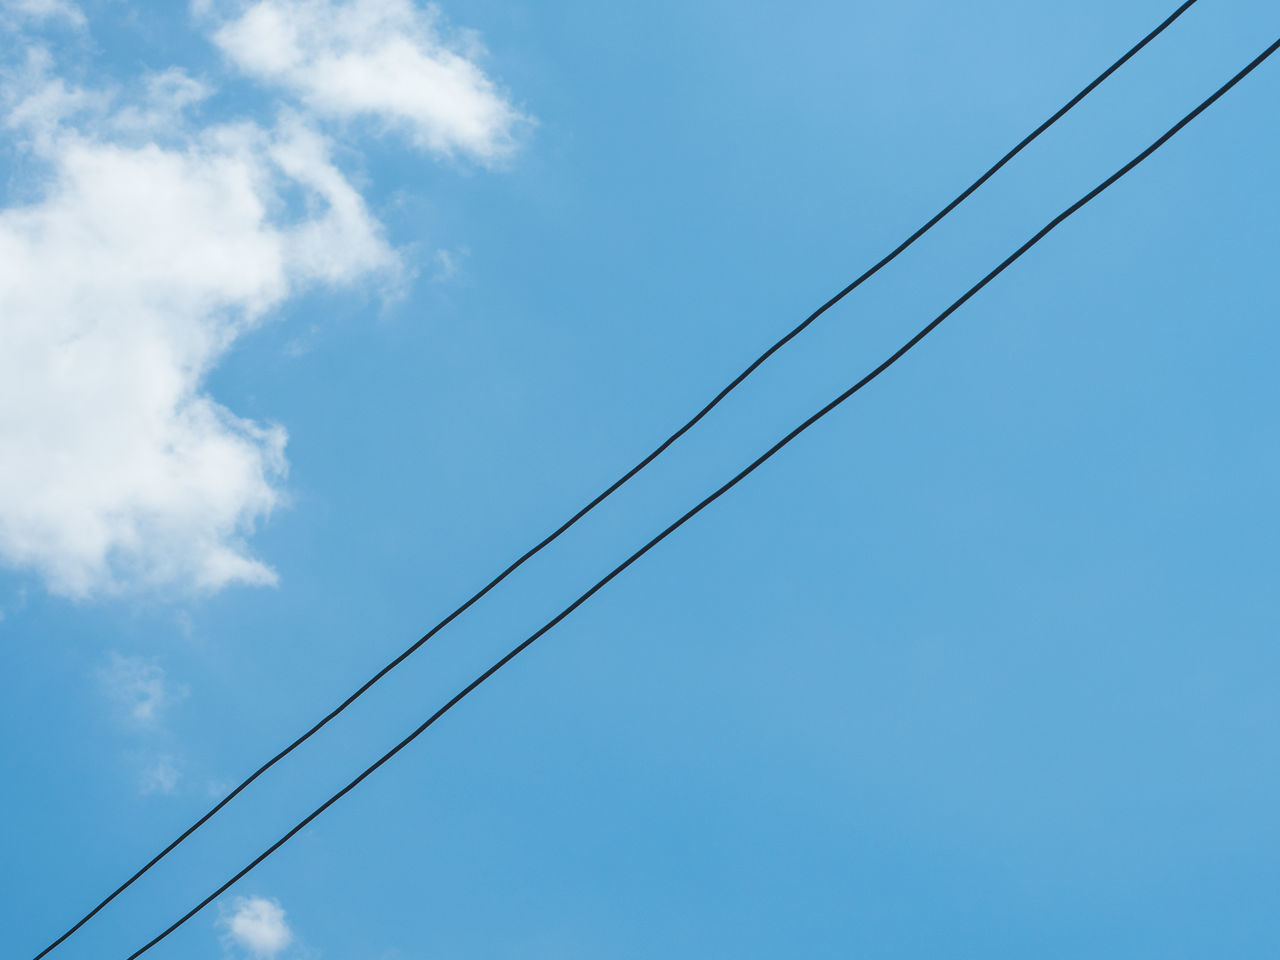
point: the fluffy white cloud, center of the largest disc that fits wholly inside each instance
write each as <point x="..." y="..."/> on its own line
<point x="385" y="59"/>
<point x="258" y="925"/>
<point x="144" y="245"/>
<point x="151" y="246"/>
<point x="141" y="687"/>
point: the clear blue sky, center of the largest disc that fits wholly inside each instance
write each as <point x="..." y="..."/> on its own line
<point x="984" y="665"/>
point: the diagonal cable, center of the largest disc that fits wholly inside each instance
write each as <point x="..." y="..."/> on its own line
<point x="613" y="487"/>
<point x="749" y="469"/>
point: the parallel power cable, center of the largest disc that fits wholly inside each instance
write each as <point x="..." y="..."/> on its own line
<point x="750" y="468"/>
<point x="613" y="487"/>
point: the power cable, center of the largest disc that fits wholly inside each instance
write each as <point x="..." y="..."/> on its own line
<point x="749" y="469"/>
<point x="613" y="487"/>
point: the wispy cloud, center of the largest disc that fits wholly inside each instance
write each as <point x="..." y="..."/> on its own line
<point x="143" y="694"/>
<point x="56" y="10"/>
<point x="161" y="776"/>
<point x="449" y="264"/>
<point x="140" y="687"/>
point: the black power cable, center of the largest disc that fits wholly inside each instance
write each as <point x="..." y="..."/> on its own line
<point x="613" y="487"/>
<point x="749" y="469"/>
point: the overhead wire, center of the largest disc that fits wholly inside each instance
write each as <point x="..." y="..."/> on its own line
<point x="725" y="488"/>
<point x="613" y="487"/>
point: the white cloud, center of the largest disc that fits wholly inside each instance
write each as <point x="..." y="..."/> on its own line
<point x="141" y="687"/>
<point x="151" y="248"/>
<point x="384" y="59"/>
<point x="257" y="925"/>
<point x="138" y="245"/>
<point x="160" y="777"/>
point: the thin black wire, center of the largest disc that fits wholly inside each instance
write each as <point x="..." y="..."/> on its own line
<point x="600" y="584"/>
<point x="612" y="488"/>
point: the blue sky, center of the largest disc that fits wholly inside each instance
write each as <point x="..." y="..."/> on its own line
<point x="295" y="360"/>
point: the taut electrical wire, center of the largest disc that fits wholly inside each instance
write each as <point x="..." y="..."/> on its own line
<point x="749" y="469"/>
<point x="613" y="487"/>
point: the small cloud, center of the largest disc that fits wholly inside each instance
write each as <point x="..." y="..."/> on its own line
<point x="160" y="777"/>
<point x="141" y="687"/>
<point x="303" y="343"/>
<point x="257" y="925"/>
<point x="448" y="264"/>
<point x="387" y="60"/>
